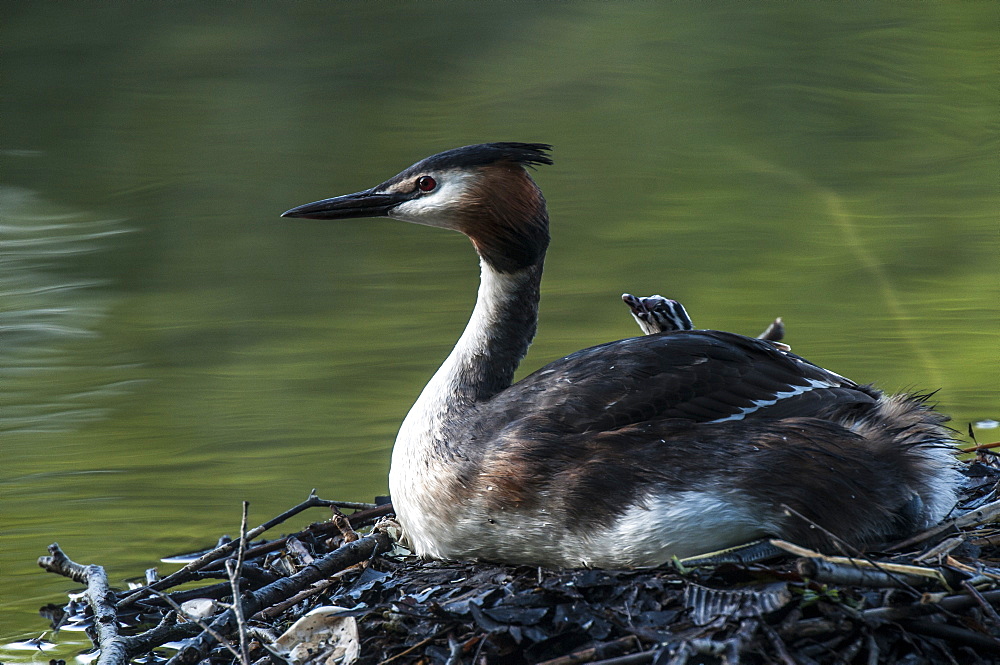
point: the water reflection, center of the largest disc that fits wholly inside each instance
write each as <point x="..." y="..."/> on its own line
<point x="55" y="373"/>
<point x="838" y="210"/>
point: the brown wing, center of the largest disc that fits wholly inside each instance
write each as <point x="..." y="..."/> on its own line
<point x="698" y="375"/>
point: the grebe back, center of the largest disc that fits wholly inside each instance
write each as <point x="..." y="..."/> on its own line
<point x="628" y="453"/>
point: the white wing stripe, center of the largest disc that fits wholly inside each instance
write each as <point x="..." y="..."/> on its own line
<point x="761" y="403"/>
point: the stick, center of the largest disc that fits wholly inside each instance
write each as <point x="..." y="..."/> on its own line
<point x="344" y="556"/>
<point x="185" y="573"/>
<point x="100" y="597"/>
<point x="416" y="646"/>
<point x="954" y="603"/>
<point x="168" y="630"/>
<point x="274" y="610"/>
<point x="631" y="659"/>
<point x="613" y="648"/>
<point x="848" y="548"/>
<point x="357" y="520"/>
<point x="197" y="621"/>
<point x="954" y="634"/>
<point x="941" y="549"/>
<point x="856" y="574"/>
<point x="778" y="644"/>
<point x="979" y="516"/>
<point x="60" y="564"/>
<point x="981" y="446"/>
<point x="873" y="650"/>
<point x="983" y="603"/>
<point x="234" y="579"/>
<point x="353" y="505"/>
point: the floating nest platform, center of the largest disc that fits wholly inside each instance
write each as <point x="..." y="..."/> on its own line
<point x="329" y="594"/>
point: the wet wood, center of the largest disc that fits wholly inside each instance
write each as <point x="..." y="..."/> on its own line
<point x="852" y="574"/>
<point x="100" y="598"/>
<point x="600" y="651"/>
<point x="225" y="624"/>
<point x="222" y="551"/>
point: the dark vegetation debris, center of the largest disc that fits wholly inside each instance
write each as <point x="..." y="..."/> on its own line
<point x="940" y="608"/>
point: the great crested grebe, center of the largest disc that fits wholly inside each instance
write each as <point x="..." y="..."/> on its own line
<point x="628" y="453"/>
<point x="656" y="314"/>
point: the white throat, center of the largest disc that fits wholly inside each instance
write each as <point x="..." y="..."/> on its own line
<point x="458" y="383"/>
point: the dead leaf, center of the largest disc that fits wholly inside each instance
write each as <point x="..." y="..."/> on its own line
<point x="322" y="637"/>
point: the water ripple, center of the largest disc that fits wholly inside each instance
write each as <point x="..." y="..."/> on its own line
<point x="57" y="374"/>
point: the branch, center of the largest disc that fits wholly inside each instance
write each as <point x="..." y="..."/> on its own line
<point x="343" y="557"/>
<point x="356" y="520"/>
<point x="60" y="564"/>
<point x="234" y="577"/>
<point x="975" y="517"/>
<point x="185" y="573"/>
<point x="101" y="599"/>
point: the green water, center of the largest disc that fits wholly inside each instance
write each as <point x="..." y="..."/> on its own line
<point x="170" y="347"/>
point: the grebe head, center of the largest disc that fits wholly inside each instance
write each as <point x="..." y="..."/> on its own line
<point x="656" y="314"/>
<point x="480" y="190"/>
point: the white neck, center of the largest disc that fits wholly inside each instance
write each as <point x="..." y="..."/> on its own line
<point x="481" y="365"/>
<point x="488" y="352"/>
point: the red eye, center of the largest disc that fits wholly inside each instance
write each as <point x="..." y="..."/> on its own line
<point x="425" y="183"/>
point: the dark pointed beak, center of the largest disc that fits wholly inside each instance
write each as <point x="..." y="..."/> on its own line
<point x="635" y="303"/>
<point x="360" y="204"/>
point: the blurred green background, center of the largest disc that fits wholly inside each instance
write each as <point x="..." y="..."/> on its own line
<point x="171" y="347"/>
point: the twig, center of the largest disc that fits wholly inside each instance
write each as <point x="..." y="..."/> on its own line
<point x="613" y="648"/>
<point x="981" y="446"/>
<point x="954" y="634"/>
<point x="813" y="628"/>
<point x="354" y="505"/>
<point x="974" y="571"/>
<point x="57" y="562"/>
<point x="416" y="646"/>
<point x="847" y="547"/>
<point x="201" y="623"/>
<point x="980" y="515"/>
<point x="852" y="574"/>
<point x="848" y="653"/>
<point x="873" y="650"/>
<point x="992" y="539"/>
<point x="778" y="644"/>
<point x="454" y="651"/>
<point x="343" y="525"/>
<point x="185" y="573"/>
<point x="983" y="603"/>
<point x="168" y="630"/>
<point x="234" y="580"/>
<point x="631" y="659"/>
<point x="343" y="557"/>
<point x="276" y="609"/>
<point x="369" y="515"/>
<point x="942" y="548"/>
<point x="954" y="603"/>
<point x="356" y="520"/>
<point x="902" y="569"/>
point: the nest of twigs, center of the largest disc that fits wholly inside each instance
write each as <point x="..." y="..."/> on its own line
<point x="929" y="599"/>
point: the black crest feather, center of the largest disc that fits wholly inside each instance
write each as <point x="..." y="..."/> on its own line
<point x="526" y="154"/>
